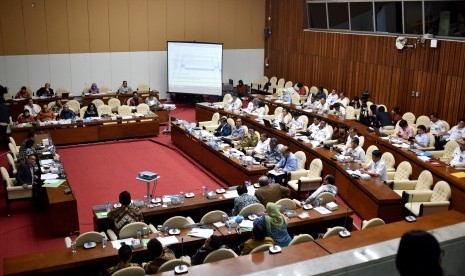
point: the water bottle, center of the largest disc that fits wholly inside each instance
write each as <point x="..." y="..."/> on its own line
<point x="104" y="242"/>
<point x="229" y="227"/>
<point x="107" y="206"/>
<point x="206" y="190"/>
<point x="181" y="197"/>
<point x="73" y="247"/>
<point x="139" y="235"/>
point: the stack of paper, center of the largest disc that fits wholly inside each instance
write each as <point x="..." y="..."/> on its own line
<point x="201" y="233"/>
<point x="47" y="176"/>
<point x="168" y="240"/>
<point x="117" y="244"/>
<point x="322" y="210"/>
<point x="276" y="173"/>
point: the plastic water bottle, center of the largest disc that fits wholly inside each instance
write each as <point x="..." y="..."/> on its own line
<point x="139" y="235"/>
<point x="104" y="242"/>
<point x="206" y="190"/>
<point x="181" y="197"/>
<point x="107" y="206"/>
<point x="73" y="247"/>
<point x="229" y="227"/>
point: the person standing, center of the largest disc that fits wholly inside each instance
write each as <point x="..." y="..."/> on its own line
<point x="270" y="192"/>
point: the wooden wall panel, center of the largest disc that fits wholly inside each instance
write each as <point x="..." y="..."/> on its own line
<point x="243" y="22"/>
<point x="56" y="18"/>
<point x="211" y="20"/>
<point x="193" y="22"/>
<point x="118" y="22"/>
<point x="157" y="25"/>
<point x="78" y="26"/>
<point x="99" y="30"/>
<point x="35" y="29"/>
<point x="257" y="9"/>
<point x="228" y="23"/>
<point x="352" y="63"/>
<point x="175" y="21"/>
<point x="138" y="25"/>
<point x="11" y="19"/>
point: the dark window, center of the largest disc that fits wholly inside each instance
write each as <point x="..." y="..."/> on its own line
<point x="361" y="16"/>
<point x="388" y="17"/>
<point x="445" y="18"/>
<point x="338" y="14"/>
<point x="317" y="15"/>
<point x="413" y="18"/>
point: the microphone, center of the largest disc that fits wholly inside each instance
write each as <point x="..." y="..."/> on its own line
<point x="181" y="269"/>
<point x="345" y="233"/>
<point x="411" y="217"/>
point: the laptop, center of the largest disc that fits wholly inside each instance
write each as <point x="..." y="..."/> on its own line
<point x="267" y="123"/>
<point x="227" y="141"/>
<point x="282" y="126"/>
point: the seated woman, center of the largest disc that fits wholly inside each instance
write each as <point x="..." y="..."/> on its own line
<point x="23" y="93"/>
<point x="158" y="256"/>
<point x="25" y="117"/>
<point x="405" y="131"/>
<point x="91" y="111"/>
<point x="421" y="140"/>
<point x="94" y="89"/>
<point x="153" y="102"/>
<point x="301" y="89"/>
<point x="258" y="238"/>
<point x="241" y="89"/>
<point x="275" y="224"/>
<point x="396" y="115"/>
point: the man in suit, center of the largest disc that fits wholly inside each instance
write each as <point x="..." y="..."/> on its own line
<point x="224" y="129"/>
<point x="270" y="192"/>
<point x="29" y="174"/>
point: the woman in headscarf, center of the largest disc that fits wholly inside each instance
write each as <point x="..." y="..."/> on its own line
<point x="94" y="89"/>
<point x="275" y="223"/>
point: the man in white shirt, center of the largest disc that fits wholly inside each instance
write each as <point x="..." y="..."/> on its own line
<point x="124" y="88"/>
<point x="34" y="109"/>
<point x="376" y="167"/>
<point x="322" y="134"/>
<point x="355" y="152"/>
<point x="352" y="134"/>
<point x="262" y="145"/>
<point x="283" y="117"/>
<point x="296" y="122"/>
<point x="324" y="105"/>
<point x="421" y="140"/>
<point x="343" y="99"/>
<point x="332" y="97"/>
<point x="339" y="110"/>
<point x="310" y="103"/>
<point x="457" y="159"/>
<point x="235" y="103"/>
<point x="436" y="126"/>
<point x="315" y="126"/>
<point x="455" y="133"/>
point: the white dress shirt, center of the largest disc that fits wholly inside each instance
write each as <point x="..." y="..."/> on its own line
<point x="235" y="104"/>
<point x="378" y="168"/>
<point x="332" y="98"/>
<point x="458" y="157"/>
<point x="357" y="154"/>
<point x="262" y="147"/>
<point x="313" y="128"/>
<point x="321" y="134"/>
<point x="437" y="127"/>
<point x="279" y="119"/>
<point x="341" y="112"/>
<point x="34" y="110"/>
<point x="455" y="133"/>
<point x="349" y="140"/>
<point x="296" y="123"/>
<point x="422" y="139"/>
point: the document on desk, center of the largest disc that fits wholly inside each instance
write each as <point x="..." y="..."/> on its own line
<point x="230" y="194"/>
<point x="322" y="210"/>
<point x="168" y="240"/>
<point x="247" y="224"/>
<point x="201" y="233"/>
<point x="53" y="183"/>
<point x="276" y="173"/>
<point x="48" y="176"/>
<point x="459" y="174"/>
<point x="117" y="244"/>
<point x="46" y="162"/>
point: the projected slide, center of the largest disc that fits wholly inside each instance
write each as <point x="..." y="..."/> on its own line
<point x="195" y="68"/>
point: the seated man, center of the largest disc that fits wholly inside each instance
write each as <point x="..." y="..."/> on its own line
<point x="31" y="135"/>
<point x="224" y="129"/>
<point x="455" y="133"/>
<point x="315" y="126"/>
<point x="457" y="160"/>
<point x="300" y="89"/>
<point x="332" y="97"/>
<point x="270" y="192"/>
<point x="239" y="131"/>
<point x="57" y="107"/>
<point x="29" y="174"/>
<point x="25" y="117"/>
<point x="45" y="114"/>
<point x="263" y="145"/>
<point x="355" y="152"/>
<point x="405" y="131"/>
<point x="311" y="102"/>
<point x="33" y="108"/>
<point x="322" y="133"/>
<point x="376" y="167"/>
<point x="339" y="110"/>
<point x="283" y="117"/>
<point x="153" y="102"/>
<point x="258" y="238"/>
<point x="243" y="200"/>
<point x="326" y="186"/>
<point x="324" y="106"/>
<point x="126" y="213"/>
<point x="340" y="134"/>
<point x="23" y="93"/>
<point x="296" y="122"/>
<point x="288" y="163"/>
<point x="436" y="126"/>
<point x="250" y="140"/>
<point x="235" y="103"/>
<point x="45" y="91"/>
<point x="124" y="88"/>
<point x="273" y="154"/>
<point x="252" y="106"/>
<point x="343" y="99"/>
<point x="124" y="256"/>
<point x="241" y="89"/>
<point x="66" y="113"/>
<point x="383" y="119"/>
<point x="211" y="244"/>
<point x="421" y="140"/>
<point x="158" y="255"/>
<point x="135" y="100"/>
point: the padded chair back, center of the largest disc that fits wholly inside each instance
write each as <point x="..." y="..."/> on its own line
<point x="227" y="98"/>
<point x="51" y="105"/>
<point x="372" y="223"/>
<point x="301" y="159"/>
<point x="441" y="192"/>
<point x="431" y="140"/>
<point x="305" y="120"/>
<point x="447" y="125"/>
<point x="170" y="265"/>
<point x="130" y="271"/>
<point x="295" y="98"/>
<point x="124" y="110"/>
<point x="12" y="140"/>
<point x="255" y="208"/>
<point x="143" y="87"/>
<point x="301" y="239"/>
<point x="449" y="148"/>
<point x="89" y="237"/>
<point x="231" y="122"/>
<point x="142" y="108"/>
<point x="59" y="92"/>
<point x="333" y="231"/>
<point x="327" y="197"/>
<point x="289" y="203"/>
<point x="105" y="89"/>
<point x="12" y="163"/>
<point x="266" y="110"/>
<point x="350" y="113"/>
<point x="114" y="102"/>
<point x="423" y="120"/>
<point x="315" y="168"/>
<point x="215" y="117"/>
<point x="82" y="111"/>
<point x="278" y="111"/>
<point x="213" y="216"/>
<point x="130" y="230"/>
<point x="6" y="177"/>
<point x="260" y="248"/>
<point x="273" y="81"/>
<point x="13" y="151"/>
<point x="314" y="90"/>
<point x="403" y="171"/>
<point x="74" y="105"/>
<point x="409" y="117"/>
<point x="280" y="83"/>
<point x="389" y="160"/>
<point x="264" y="80"/>
<point x="98" y="102"/>
<point x="219" y="254"/>
<point x="368" y="153"/>
<point x="425" y="181"/>
<point x="178" y="222"/>
<point x="361" y="141"/>
<point x="104" y="109"/>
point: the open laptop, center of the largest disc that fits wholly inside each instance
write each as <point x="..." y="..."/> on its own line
<point x="282" y="126"/>
<point x="267" y="123"/>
